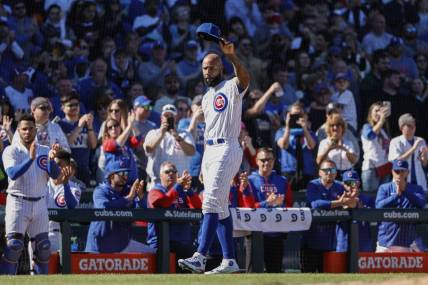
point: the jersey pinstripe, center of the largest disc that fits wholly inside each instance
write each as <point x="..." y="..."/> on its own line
<point x="33" y="183"/>
<point x="56" y="200"/>
<point x="222" y="107"/>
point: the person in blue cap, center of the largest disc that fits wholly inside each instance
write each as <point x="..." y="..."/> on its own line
<point x="116" y="193"/>
<point x="352" y="184"/>
<point x="398" y="194"/>
<point x="142" y="125"/>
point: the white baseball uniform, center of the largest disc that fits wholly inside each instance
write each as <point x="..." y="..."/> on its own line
<point x="56" y="200"/>
<point x="23" y="215"/>
<point x="222" y="107"/>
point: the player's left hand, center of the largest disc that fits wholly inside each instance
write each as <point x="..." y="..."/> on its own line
<point x="66" y="172"/>
<point x="54" y="151"/>
<point x="227" y="47"/>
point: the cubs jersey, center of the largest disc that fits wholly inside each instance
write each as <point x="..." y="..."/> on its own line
<point x="222" y="106"/>
<point x="34" y="182"/>
<point x="56" y="199"/>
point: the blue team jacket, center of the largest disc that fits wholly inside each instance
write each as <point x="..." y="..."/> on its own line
<point x="321" y="236"/>
<point x="109" y="236"/>
<point x="364" y="236"/>
<point x="399" y="234"/>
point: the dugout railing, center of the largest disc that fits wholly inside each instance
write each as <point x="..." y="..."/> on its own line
<point x="162" y="217"/>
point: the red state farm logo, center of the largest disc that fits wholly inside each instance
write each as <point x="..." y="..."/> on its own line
<point x="220" y="102"/>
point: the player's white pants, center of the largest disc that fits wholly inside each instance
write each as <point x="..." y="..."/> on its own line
<point x="26" y="216"/>
<point x="219" y="165"/>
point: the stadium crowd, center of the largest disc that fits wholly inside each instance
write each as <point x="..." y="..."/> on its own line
<point x="337" y="105"/>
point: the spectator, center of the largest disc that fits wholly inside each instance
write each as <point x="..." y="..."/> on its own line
<point x="152" y="73"/>
<point x="117" y="145"/>
<point x="391" y="92"/>
<point x="80" y="134"/>
<point x="259" y="122"/>
<point x="255" y="65"/>
<point x="168" y="144"/>
<point x="183" y="33"/>
<point x="98" y="79"/>
<point x="196" y="126"/>
<point x="249" y="155"/>
<point x="53" y="29"/>
<point x="26" y="30"/>
<point x="150" y="25"/>
<point x="10" y="51"/>
<point x="48" y="132"/>
<point x="116" y="193"/>
<point x="297" y="143"/>
<point x="411" y="149"/>
<point x="64" y="87"/>
<point x="121" y="69"/>
<point x="19" y="96"/>
<point x="419" y="93"/>
<point x="142" y="126"/>
<point x="173" y="192"/>
<point x="371" y="84"/>
<point x="86" y="24"/>
<point x="422" y="64"/>
<point x="183" y="109"/>
<point x="118" y="110"/>
<point x="401" y="62"/>
<point x="189" y="67"/>
<point x="335" y="147"/>
<point x="247" y="11"/>
<point x="267" y="189"/>
<point x="321" y="97"/>
<point x="375" y="169"/>
<point x="322" y="193"/>
<point x="345" y="98"/>
<point x="21" y="169"/>
<point x="398" y="194"/>
<point x="352" y="183"/>
<point x="378" y="38"/>
<point x="172" y="88"/>
<point x="411" y="44"/>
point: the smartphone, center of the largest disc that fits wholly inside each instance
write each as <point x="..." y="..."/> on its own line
<point x="387" y="106"/>
<point x="293" y="121"/>
<point x="170" y="122"/>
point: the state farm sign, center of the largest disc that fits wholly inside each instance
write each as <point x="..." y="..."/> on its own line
<point x="116" y="263"/>
<point x="392" y="262"/>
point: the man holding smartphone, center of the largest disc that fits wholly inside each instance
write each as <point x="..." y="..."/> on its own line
<point x="168" y="144"/>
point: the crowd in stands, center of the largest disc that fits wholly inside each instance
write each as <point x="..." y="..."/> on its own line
<point x="337" y="88"/>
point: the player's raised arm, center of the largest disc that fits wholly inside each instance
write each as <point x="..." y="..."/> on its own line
<point x="242" y="75"/>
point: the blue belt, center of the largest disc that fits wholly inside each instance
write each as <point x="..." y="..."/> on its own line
<point x="215" y="141"/>
<point x="31" y="199"/>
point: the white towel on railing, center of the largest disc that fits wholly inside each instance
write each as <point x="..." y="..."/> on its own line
<point x="271" y="220"/>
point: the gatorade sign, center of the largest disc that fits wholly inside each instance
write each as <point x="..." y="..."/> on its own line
<point x="392" y="262"/>
<point x="89" y="263"/>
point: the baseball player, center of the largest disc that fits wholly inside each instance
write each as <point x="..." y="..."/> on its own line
<point x="62" y="193"/>
<point x="222" y="107"/>
<point x="28" y="166"/>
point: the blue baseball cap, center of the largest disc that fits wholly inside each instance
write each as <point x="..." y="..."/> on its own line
<point x="115" y="167"/>
<point x="141" y="101"/>
<point x="192" y="44"/>
<point x="395" y="41"/>
<point x="350" y="175"/>
<point x="209" y="32"/>
<point x="400" y="165"/>
<point x="341" y="75"/>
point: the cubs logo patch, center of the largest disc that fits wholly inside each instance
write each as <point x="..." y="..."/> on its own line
<point x="42" y="162"/>
<point x="220" y="102"/>
<point x="60" y="201"/>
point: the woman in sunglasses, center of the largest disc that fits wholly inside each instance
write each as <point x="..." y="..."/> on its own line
<point x="117" y="145"/>
<point x="118" y="110"/>
<point x="335" y="147"/>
